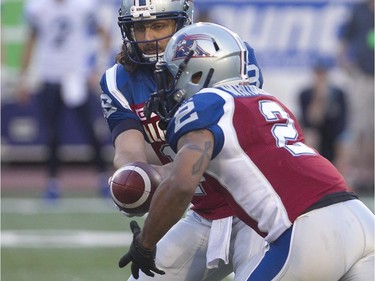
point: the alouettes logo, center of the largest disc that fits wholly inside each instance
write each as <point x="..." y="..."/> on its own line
<point x="201" y="44"/>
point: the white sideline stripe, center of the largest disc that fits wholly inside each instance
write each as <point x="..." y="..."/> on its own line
<point x="63" y="205"/>
<point x="14" y="34"/>
<point x="63" y="239"/>
<point x="28" y="206"/>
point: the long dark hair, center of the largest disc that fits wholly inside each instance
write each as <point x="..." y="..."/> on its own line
<point x="123" y="58"/>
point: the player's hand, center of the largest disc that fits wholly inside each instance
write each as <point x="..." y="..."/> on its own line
<point x="141" y="258"/>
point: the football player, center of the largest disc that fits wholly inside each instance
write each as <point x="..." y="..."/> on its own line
<point x="58" y="39"/>
<point x="222" y="127"/>
<point x="199" y="247"/>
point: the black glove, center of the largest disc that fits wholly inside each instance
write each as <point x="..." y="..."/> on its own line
<point x="140" y="257"/>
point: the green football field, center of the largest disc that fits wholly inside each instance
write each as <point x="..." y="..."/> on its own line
<point x="12" y="33"/>
<point x="78" y="239"/>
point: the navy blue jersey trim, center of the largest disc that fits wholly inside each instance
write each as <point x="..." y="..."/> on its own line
<point x="124" y="126"/>
<point x="275" y="258"/>
<point x="331" y="199"/>
<point x="218" y="139"/>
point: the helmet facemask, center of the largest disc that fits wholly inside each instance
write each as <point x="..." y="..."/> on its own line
<point x="150" y="11"/>
<point x="167" y="99"/>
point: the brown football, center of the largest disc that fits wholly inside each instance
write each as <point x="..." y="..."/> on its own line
<point x="133" y="186"/>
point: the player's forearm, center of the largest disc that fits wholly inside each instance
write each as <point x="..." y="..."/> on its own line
<point x="129" y="147"/>
<point x="164" y="170"/>
<point x="28" y="51"/>
<point x="125" y="157"/>
<point x="167" y="207"/>
<point x="175" y="193"/>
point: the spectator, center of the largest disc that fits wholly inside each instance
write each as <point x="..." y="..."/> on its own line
<point x="107" y="12"/>
<point x="324" y="114"/>
<point x="59" y="31"/>
<point x="356" y="56"/>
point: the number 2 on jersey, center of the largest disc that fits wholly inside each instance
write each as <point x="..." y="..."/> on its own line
<point x="284" y="131"/>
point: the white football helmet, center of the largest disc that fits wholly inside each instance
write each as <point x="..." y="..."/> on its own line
<point x="198" y="56"/>
<point x="132" y="11"/>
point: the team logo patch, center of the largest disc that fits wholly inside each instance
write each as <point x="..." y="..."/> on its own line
<point x="201" y="44"/>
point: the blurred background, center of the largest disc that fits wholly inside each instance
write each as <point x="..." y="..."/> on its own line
<point x="291" y="39"/>
<point x="316" y="57"/>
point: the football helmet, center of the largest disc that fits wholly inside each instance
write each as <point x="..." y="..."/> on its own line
<point x="198" y="56"/>
<point x="138" y="11"/>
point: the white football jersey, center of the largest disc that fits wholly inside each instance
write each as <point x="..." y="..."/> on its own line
<point x="63" y="30"/>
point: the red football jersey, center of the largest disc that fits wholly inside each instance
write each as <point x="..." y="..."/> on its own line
<point x="260" y="163"/>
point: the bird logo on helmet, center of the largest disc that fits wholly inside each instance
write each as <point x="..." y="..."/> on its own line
<point x="196" y="43"/>
<point x="221" y="57"/>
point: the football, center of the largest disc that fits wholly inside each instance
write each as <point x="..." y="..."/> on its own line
<point x="133" y="186"/>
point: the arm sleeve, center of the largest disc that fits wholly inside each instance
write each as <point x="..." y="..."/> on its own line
<point x="202" y="111"/>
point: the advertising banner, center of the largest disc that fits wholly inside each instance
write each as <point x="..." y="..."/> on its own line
<point x="285" y="34"/>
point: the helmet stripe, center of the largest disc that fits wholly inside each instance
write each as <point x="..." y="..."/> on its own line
<point x="142" y="2"/>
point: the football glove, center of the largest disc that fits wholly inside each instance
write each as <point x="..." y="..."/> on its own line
<point x="141" y="258"/>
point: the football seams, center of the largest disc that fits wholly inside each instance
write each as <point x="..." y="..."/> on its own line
<point x="146" y="182"/>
